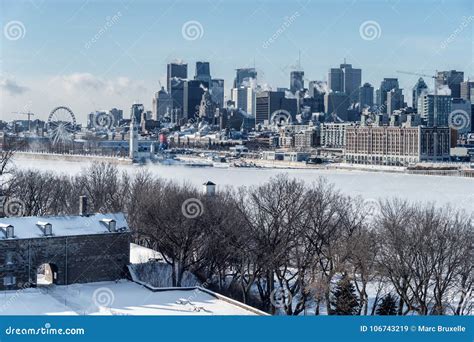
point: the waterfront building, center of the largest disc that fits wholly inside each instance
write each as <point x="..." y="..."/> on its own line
<point x="396" y="145"/>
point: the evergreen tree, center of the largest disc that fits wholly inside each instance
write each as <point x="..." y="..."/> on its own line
<point x="388" y="306"/>
<point x="344" y="301"/>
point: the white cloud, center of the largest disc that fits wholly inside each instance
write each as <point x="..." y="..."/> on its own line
<point x="87" y="82"/>
<point x="12" y="87"/>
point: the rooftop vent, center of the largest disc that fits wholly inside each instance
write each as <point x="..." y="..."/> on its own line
<point x="110" y="224"/>
<point x="7" y="230"/>
<point x="46" y="227"/>
<point x="83" y="205"/>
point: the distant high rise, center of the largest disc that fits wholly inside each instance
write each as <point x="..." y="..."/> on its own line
<point x="467" y="91"/>
<point x="136" y="112"/>
<point x="336" y="105"/>
<point x="193" y="91"/>
<point x="346" y="79"/>
<point x="385" y="86"/>
<point x="133" y="143"/>
<point x="317" y="88"/>
<point x="177" y="73"/>
<point x="434" y="109"/>
<point x="452" y="79"/>
<point x="244" y="75"/>
<point x="394" y="100"/>
<point x="296" y="81"/>
<point x="217" y="91"/>
<point x="244" y="98"/>
<point x="366" y="95"/>
<point x="269" y="102"/>
<point x="203" y="72"/>
<point x="162" y="104"/>
<point x="335" y="80"/>
<point x="419" y="88"/>
<point x="117" y="114"/>
<point x="175" y="70"/>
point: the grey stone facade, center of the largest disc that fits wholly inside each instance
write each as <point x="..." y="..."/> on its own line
<point x="74" y="259"/>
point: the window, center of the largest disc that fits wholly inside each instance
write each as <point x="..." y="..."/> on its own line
<point x="9" y="280"/>
<point x="9" y="258"/>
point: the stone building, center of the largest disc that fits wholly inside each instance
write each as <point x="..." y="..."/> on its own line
<point x="396" y="145"/>
<point x="63" y="250"/>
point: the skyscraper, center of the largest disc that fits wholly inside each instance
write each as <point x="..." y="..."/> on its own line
<point x="162" y="104"/>
<point x="269" y="102"/>
<point x="336" y="105"/>
<point x="244" y="98"/>
<point x="345" y="79"/>
<point x="434" y="109"/>
<point x="366" y="95"/>
<point x="244" y="75"/>
<point x="385" y="86"/>
<point x="193" y="91"/>
<point x="217" y="91"/>
<point x="177" y="73"/>
<point x="203" y="72"/>
<point x="136" y="112"/>
<point x="419" y="88"/>
<point x="296" y="81"/>
<point x="394" y="100"/>
<point x="452" y="79"/>
<point x="467" y="91"/>
<point x="335" y="80"/>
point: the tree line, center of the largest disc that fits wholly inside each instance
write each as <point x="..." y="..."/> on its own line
<point x="285" y="246"/>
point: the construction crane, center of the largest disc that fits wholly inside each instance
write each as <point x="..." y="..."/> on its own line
<point x="424" y="75"/>
<point x="30" y="114"/>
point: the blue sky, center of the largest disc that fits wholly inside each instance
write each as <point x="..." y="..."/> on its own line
<point x="57" y="60"/>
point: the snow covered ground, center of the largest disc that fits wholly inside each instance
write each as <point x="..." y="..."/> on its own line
<point x="455" y="191"/>
<point x="114" y="298"/>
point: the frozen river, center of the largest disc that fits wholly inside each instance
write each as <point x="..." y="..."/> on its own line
<point x="456" y="191"/>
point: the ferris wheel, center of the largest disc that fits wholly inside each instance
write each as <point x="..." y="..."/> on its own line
<point x="61" y="125"/>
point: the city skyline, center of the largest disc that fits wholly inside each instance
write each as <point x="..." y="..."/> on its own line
<point x="94" y="56"/>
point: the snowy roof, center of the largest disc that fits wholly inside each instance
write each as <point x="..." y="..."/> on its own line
<point x="121" y="298"/>
<point x="30" y="227"/>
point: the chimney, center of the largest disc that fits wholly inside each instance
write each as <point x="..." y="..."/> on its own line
<point x="209" y="188"/>
<point x="8" y="230"/>
<point x="110" y="224"/>
<point x="83" y="205"/>
<point x="46" y="227"/>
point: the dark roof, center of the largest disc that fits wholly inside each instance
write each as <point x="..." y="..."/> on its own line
<point x="209" y="183"/>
